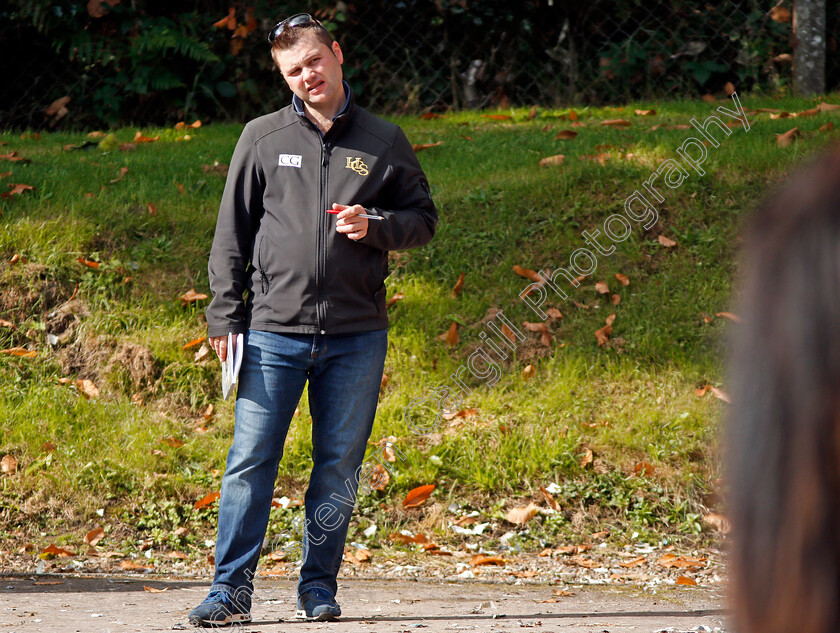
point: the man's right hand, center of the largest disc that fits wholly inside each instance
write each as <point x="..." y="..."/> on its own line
<point x="219" y="345"/>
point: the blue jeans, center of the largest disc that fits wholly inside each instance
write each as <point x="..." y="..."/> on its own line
<point x="344" y="374"/>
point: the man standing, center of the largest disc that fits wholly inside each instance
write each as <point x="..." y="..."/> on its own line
<point x="316" y="195"/>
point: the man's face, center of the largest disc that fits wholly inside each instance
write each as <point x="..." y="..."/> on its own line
<point x="313" y="72"/>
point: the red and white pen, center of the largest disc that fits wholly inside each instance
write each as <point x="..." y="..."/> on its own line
<point x="360" y="215"/>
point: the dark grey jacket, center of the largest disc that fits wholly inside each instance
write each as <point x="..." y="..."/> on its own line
<point x="274" y="238"/>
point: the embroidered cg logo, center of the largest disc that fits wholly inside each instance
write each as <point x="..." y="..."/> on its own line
<point x="289" y="160"/>
<point x="357" y="165"/>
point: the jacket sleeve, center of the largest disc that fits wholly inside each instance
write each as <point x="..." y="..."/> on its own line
<point x="239" y="216"/>
<point x="410" y="216"/>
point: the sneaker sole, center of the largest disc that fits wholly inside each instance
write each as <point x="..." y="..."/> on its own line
<point x="237" y="617"/>
<point x="321" y="617"/>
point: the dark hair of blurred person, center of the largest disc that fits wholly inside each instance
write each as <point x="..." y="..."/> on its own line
<point x="783" y="432"/>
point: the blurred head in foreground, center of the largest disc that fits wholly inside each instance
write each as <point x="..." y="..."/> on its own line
<point x="783" y="452"/>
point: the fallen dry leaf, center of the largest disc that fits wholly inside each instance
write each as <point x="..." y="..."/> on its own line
<point x="729" y="315"/>
<point x="780" y="115"/>
<point x="431" y="115"/>
<point x="616" y="122"/>
<point x="481" y="559"/>
<point x="583" y="561"/>
<point x="379" y="477"/>
<point x="123" y="172"/>
<point x="94" y="536"/>
<point x="53" y="550"/>
<point x="87" y="262"/>
<point x="549" y="498"/>
<point x="610" y="319"/>
<point x="685" y="581"/>
<point x="397" y="297"/>
<point x="601" y="158"/>
<point x="87" y="388"/>
<point x="666" y="241"/>
<point x="174" y="442"/>
<point x="194" y="342"/>
<point x="450" y="337"/>
<point x="616" y="299"/>
<point x="527" y="273"/>
<point x="418" y="496"/>
<point x="701" y="391"/>
<point x="573" y="115"/>
<point x="405" y="539"/>
<point x="645" y="112"/>
<point x="154" y="589"/>
<point x="603" y="335"/>
<point x="827" y="127"/>
<point x="521" y="515"/>
<point x="529" y="372"/>
<point x="130" y="565"/>
<point x="553" y="160"/>
<point x="191" y="296"/>
<point x="720" y="394"/>
<point x="643" y="469"/>
<point x="459" y="285"/>
<point x="207" y="500"/>
<point x="17" y="188"/>
<point x="641" y="560"/>
<point x="564" y="135"/>
<point x="14" y="158"/>
<point x="497" y="117"/>
<point x="417" y="147"/>
<point x="587" y="457"/>
<point x="463" y="413"/>
<point x="602" y="287"/>
<point x="554" y="313"/>
<point x="21" y="352"/>
<point x="783" y="140"/>
<point x="670" y="560"/>
<point x="139" y="138"/>
<point x="624" y="280"/>
<point x="8" y="465"/>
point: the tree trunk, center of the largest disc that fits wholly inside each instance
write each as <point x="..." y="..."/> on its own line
<point x="809" y="47"/>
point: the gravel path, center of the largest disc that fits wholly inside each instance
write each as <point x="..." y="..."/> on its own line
<point x="122" y="604"/>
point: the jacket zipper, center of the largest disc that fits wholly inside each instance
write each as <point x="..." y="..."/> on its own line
<point x="264" y="286"/>
<point x="321" y="267"/>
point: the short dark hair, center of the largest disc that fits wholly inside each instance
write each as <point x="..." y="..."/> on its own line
<point x="291" y="36"/>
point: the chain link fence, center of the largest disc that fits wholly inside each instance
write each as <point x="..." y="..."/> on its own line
<point x="416" y="55"/>
<point x="401" y="55"/>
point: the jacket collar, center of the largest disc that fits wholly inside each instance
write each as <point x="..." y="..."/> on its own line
<point x="339" y="120"/>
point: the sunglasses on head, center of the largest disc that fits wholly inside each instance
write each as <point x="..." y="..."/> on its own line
<point x="301" y="19"/>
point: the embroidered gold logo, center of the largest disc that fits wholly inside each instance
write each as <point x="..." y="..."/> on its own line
<point x="357" y="165"/>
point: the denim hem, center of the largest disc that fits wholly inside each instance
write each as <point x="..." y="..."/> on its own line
<point x="312" y="585"/>
<point x="232" y="592"/>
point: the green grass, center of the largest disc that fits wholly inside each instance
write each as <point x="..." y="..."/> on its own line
<point x="115" y="462"/>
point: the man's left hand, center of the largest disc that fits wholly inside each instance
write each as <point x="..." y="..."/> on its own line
<point x="349" y="221"/>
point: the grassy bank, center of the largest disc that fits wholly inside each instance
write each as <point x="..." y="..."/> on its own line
<point x="619" y="427"/>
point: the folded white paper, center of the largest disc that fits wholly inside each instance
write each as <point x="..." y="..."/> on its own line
<point x="231" y="364"/>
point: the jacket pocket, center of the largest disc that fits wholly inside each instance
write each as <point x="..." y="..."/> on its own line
<point x="264" y="283"/>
